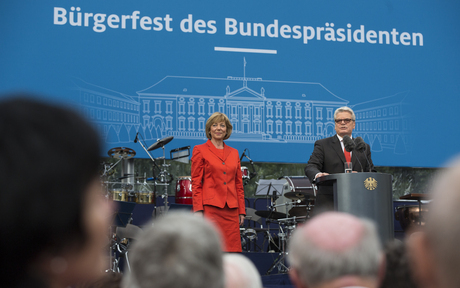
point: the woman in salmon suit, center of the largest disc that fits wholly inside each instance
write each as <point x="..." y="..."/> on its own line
<point x="217" y="183"/>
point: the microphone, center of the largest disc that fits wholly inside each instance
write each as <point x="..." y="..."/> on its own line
<point x="361" y="147"/>
<point x="360" y="144"/>
<point x="136" y="139"/>
<point x="348" y="143"/>
<point x="254" y="173"/>
<point x="242" y="155"/>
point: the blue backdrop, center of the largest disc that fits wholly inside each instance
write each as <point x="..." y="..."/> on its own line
<point x="277" y="69"/>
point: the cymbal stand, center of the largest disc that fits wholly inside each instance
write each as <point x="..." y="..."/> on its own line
<point x="119" y="246"/>
<point x="109" y="167"/>
<point x="280" y="261"/>
<point x="163" y="179"/>
<point x="154" y="165"/>
<point x="269" y="237"/>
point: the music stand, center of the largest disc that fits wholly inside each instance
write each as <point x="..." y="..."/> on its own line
<point x="124" y="213"/>
<point x="269" y="185"/>
<point x="180" y="154"/>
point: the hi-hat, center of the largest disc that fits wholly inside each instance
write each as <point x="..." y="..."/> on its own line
<point x="122" y="153"/>
<point x="160" y="143"/>
<point x="270" y="214"/>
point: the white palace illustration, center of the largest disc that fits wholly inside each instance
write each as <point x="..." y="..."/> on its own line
<point x="259" y="110"/>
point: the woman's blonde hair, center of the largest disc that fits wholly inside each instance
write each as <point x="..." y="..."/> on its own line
<point x="218" y="117"/>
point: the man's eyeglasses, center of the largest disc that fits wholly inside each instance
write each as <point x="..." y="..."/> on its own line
<point x="346" y="121"/>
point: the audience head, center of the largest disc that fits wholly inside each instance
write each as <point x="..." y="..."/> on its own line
<point x="53" y="214"/>
<point x="333" y="249"/>
<point x="397" y="273"/>
<point x="240" y="272"/>
<point x="434" y="249"/>
<point x="179" y="250"/>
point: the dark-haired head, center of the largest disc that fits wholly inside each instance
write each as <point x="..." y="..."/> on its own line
<point x="49" y="160"/>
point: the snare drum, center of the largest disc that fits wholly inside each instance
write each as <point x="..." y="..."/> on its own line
<point x="245" y="172"/>
<point x="119" y="195"/>
<point x="132" y="196"/>
<point x="184" y="190"/>
<point x="145" y="198"/>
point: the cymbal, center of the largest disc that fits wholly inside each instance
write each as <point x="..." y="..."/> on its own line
<point x="299" y="196"/>
<point x="122" y="153"/>
<point x="160" y="143"/>
<point x="270" y="214"/>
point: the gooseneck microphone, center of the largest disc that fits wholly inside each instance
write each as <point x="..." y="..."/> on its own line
<point x="242" y="155"/>
<point x="348" y="143"/>
<point x="361" y="147"/>
<point x="136" y="139"/>
<point x="360" y="144"/>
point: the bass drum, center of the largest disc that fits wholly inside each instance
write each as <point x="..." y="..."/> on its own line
<point x="184" y="190"/>
<point x="300" y="205"/>
<point x="410" y="215"/>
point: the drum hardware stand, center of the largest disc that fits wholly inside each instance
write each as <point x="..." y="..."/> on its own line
<point x="163" y="178"/>
<point x="280" y="262"/>
<point x="269" y="237"/>
<point x="163" y="175"/>
<point x="136" y="140"/>
<point x="122" y="218"/>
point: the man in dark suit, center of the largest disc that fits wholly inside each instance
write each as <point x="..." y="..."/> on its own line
<point x="328" y="154"/>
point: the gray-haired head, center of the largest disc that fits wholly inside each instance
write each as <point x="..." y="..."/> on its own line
<point x="333" y="245"/>
<point x="178" y="251"/>
<point x="240" y="272"/>
<point x="345" y="109"/>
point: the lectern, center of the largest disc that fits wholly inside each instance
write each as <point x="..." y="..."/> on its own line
<point x="364" y="194"/>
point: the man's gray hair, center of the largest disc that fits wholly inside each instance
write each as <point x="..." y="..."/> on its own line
<point x="345" y="109"/>
<point x="179" y="250"/>
<point x="316" y="265"/>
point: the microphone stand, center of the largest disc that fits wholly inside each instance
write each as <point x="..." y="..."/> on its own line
<point x="254" y="172"/>
<point x="146" y="151"/>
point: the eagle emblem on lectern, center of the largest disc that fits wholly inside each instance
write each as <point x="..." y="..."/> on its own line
<point x="370" y="183"/>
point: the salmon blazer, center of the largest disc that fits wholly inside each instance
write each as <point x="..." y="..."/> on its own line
<point x="216" y="177"/>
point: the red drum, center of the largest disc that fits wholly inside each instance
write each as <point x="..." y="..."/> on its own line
<point x="184" y="190"/>
<point x="245" y="172"/>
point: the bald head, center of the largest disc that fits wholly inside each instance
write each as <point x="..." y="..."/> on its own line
<point x="240" y="272"/>
<point x="334" y="245"/>
<point x="334" y="231"/>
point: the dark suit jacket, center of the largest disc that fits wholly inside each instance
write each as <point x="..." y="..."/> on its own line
<point x="328" y="157"/>
<point x="217" y="179"/>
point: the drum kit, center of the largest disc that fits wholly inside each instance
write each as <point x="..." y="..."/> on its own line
<point x="292" y="199"/>
<point x="130" y="189"/>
